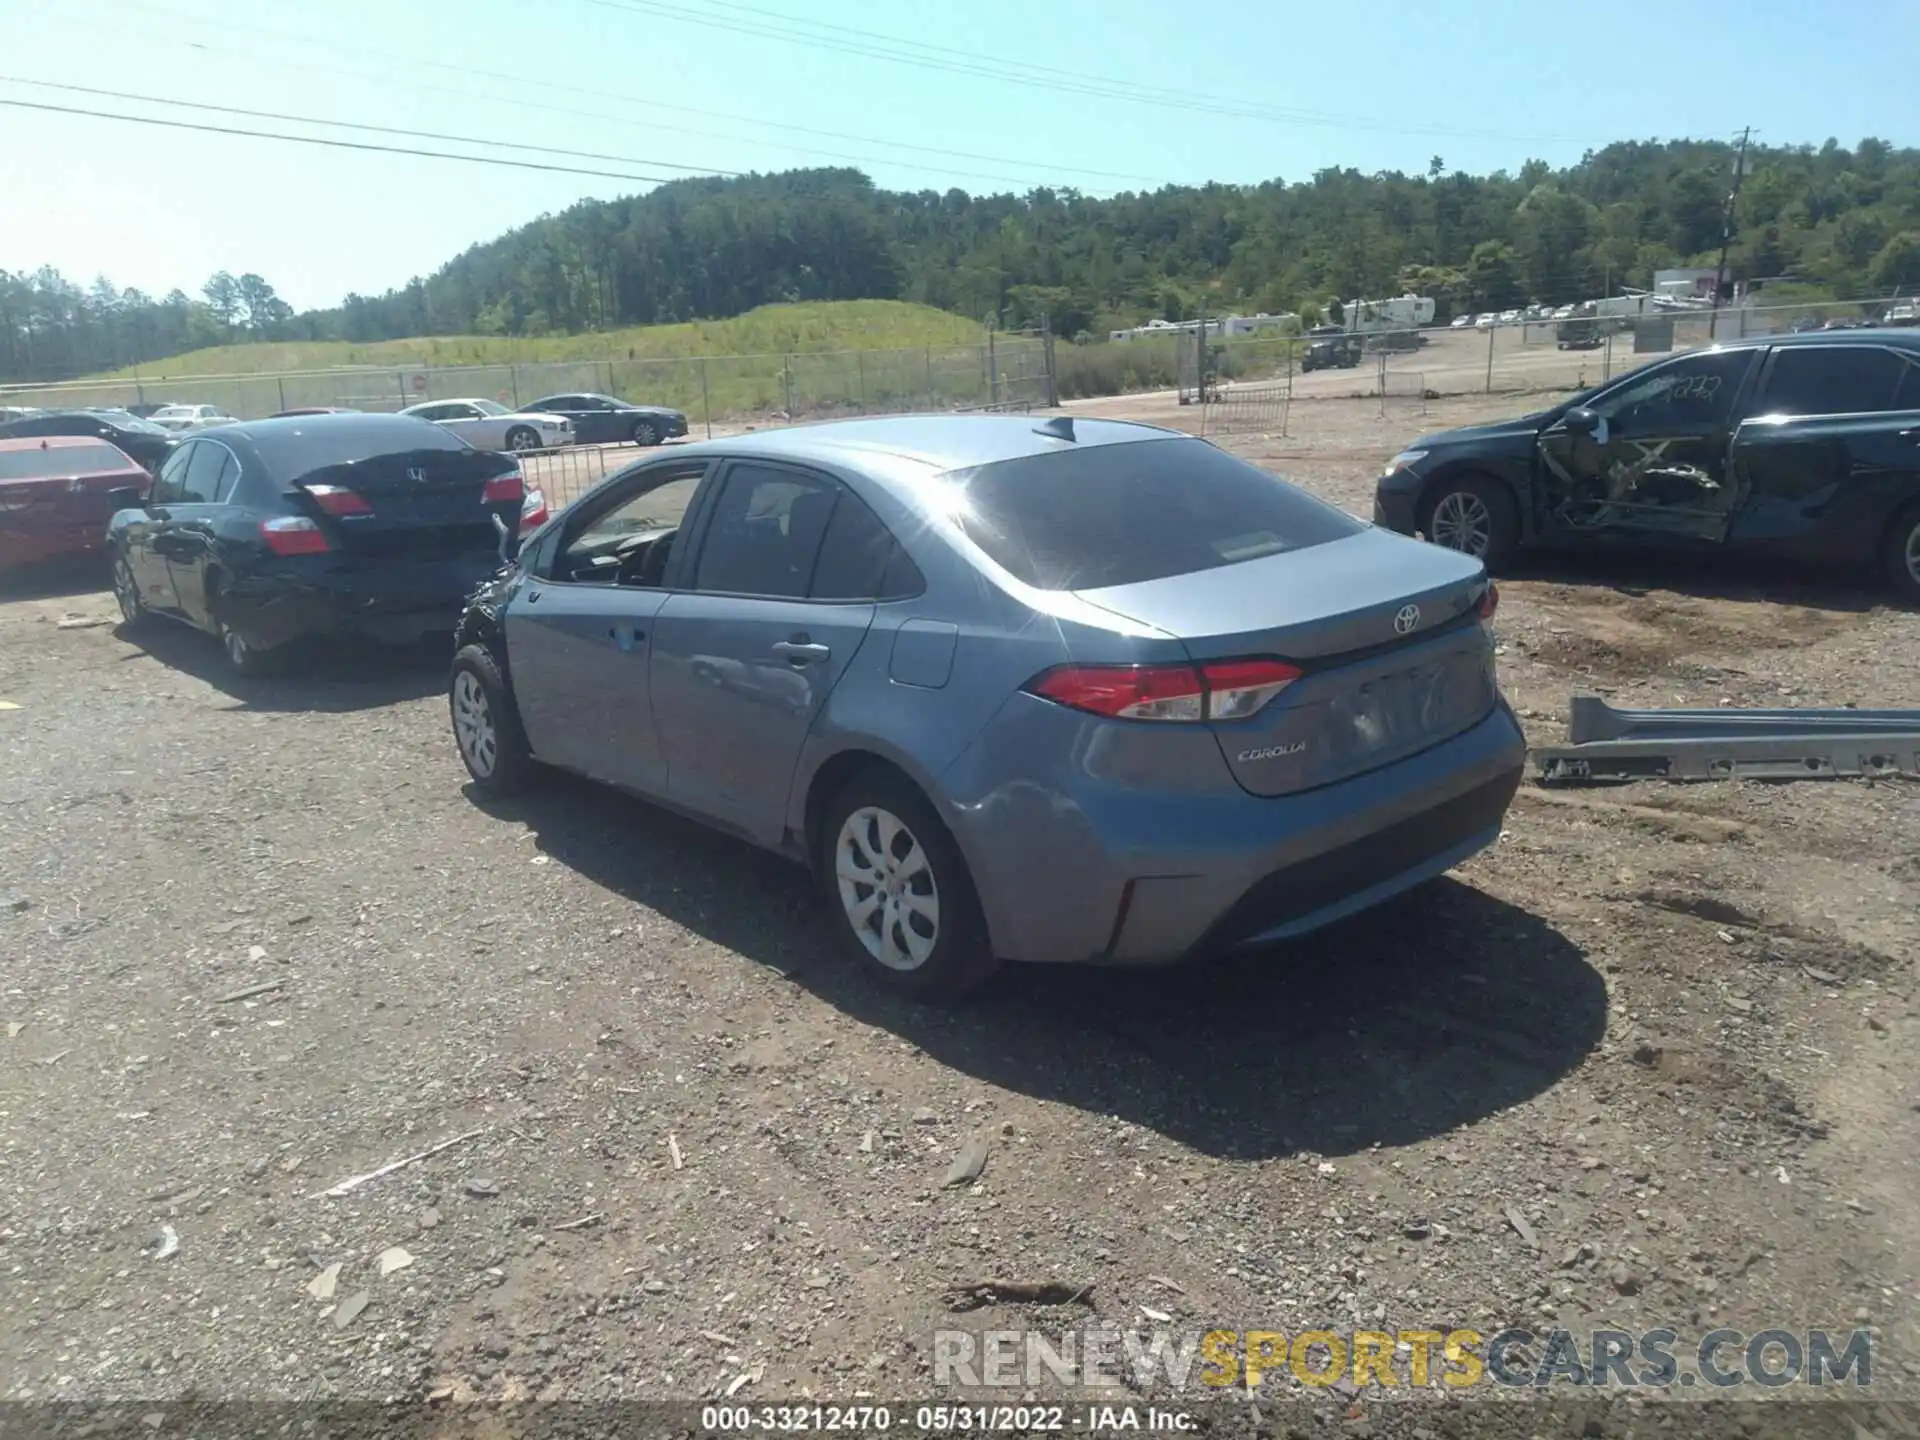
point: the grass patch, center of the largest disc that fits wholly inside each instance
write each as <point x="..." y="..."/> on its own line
<point x="769" y="330"/>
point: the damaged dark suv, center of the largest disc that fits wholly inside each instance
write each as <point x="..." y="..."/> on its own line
<point x="1803" y="446"/>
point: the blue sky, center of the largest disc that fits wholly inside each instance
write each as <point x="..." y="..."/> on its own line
<point x="671" y="87"/>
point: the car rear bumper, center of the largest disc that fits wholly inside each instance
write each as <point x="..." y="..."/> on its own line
<point x="394" y="602"/>
<point x="49" y="541"/>
<point x="1135" y="878"/>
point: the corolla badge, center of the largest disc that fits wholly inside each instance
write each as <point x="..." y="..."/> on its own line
<point x="1271" y="752"/>
<point x="1407" y="620"/>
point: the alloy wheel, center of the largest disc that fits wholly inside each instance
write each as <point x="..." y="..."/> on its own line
<point x="1462" y="522"/>
<point x="239" y="653"/>
<point x="473" y="724"/>
<point x="887" y="888"/>
<point x="645" y="434"/>
<point x="523" y="440"/>
<point x="1913" y="554"/>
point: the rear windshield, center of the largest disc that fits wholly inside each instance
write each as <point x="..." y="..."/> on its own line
<point x="36" y="463"/>
<point x="291" y="448"/>
<point x="1121" y="514"/>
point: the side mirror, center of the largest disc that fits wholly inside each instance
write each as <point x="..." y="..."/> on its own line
<point x="127" y="497"/>
<point x="1581" y="421"/>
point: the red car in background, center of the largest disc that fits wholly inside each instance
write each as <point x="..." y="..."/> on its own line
<point x="57" y="493"/>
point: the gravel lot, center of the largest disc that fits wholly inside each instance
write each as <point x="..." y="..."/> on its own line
<point x="1651" y="1061"/>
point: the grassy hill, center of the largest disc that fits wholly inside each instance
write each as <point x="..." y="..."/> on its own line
<point x="769" y="330"/>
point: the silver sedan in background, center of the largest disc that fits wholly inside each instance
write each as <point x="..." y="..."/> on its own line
<point x="487" y="425"/>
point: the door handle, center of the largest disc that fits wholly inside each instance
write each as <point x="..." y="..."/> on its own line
<point x="801" y="652"/>
<point x="625" y="636"/>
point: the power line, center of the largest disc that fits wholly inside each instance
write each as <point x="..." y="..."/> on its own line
<point x="357" y="125"/>
<point x="873" y="45"/>
<point x="336" y="144"/>
<point x="494" y="96"/>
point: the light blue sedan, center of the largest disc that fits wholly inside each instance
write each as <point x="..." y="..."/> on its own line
<point x="1042" y="690"/>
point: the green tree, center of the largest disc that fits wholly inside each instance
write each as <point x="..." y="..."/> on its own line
<point x="1897" y="267"/>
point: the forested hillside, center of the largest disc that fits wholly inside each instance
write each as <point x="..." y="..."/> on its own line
<point x="1843" y="222"/>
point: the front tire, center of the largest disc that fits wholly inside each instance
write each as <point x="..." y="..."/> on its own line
<point x="1474" y="515"/>
<point x="486" y="723"/>
<point x="521" y="439"/>
<point x="899" y="889"/>
<point x="645" y="432"/>
<point x="1901" y="555"/>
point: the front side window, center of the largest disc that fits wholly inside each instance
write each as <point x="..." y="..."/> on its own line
<point x="765" y="532"/>
<point x="627" y="539"/>
<point x="1695" y="392"/>
<point x="1831" y="380"/>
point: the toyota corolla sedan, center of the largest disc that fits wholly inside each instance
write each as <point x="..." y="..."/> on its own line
<point x="1062" y="690"/>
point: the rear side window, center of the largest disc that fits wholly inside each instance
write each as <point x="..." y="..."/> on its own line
<point x="1831" y="380"/>
<point x="1121" y="514"/>
<point x="202" y="479"/>
<point x="1907" y="396"/>
<point x="860" y="560"/>
<point x="765" y="533"/>
<point x="36" y="463"/>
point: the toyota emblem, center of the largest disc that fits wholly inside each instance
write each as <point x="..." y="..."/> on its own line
<point x="1407" y="620"/>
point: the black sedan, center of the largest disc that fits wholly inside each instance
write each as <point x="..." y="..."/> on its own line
<point x="272" y="531"/>
<point x="603" y="420"/>
<point x="146" y="443"/>
<point x="1802" y="446"/>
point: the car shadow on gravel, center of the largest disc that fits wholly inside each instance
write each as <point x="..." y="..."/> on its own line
<point x="337" y="677"/>
<point x="1411" y="1020"/>
<point x="66" y="576"/>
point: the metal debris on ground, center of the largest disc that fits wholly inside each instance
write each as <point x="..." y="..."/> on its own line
<point x="1608" y="745"/>
<point x="168" y="1243"/>
<point x="582" y="1223"/>
<point x="354" y="1182"/>
<point x="673" y="1149"/>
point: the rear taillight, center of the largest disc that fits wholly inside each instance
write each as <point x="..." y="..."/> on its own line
<point x="1490" y="601"/>
<point x="1218" y="690"/>
<point x="293" y="535"/>
<point x="508" y="489"/>
<point x="533" y="511"/>
<point x="338" y="501"/>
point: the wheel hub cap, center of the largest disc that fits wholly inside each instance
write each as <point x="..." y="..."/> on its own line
<point x="887" y="888"/>
<point x="473" y="724"/>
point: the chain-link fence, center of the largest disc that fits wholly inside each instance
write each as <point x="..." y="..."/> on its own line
<point x="1004" y="372"/>
<point x="1251" y="384"/>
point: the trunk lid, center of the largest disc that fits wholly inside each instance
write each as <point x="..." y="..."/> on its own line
<point x="415" y="502"/>
<point x="1385" y="630"/>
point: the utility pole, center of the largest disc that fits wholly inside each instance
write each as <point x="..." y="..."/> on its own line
<point x="1720" y="283"/>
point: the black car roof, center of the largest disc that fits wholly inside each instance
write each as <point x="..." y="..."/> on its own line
<point x="1900" y="339"/>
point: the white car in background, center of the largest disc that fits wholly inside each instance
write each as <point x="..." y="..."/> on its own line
<point x="486" y="425"/>
<point x="180" y="418"/>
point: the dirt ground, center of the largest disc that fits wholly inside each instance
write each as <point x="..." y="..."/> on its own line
<point x="1650" y="1061"/>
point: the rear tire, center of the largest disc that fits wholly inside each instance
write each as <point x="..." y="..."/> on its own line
<point x="898" y="889"/>
<point x="1474" y="515"/>
<point x="243" y="657"/>
<point x="486" y="723"/>
<point x="1900" y="556"/>
<point x="126" y="590"/>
